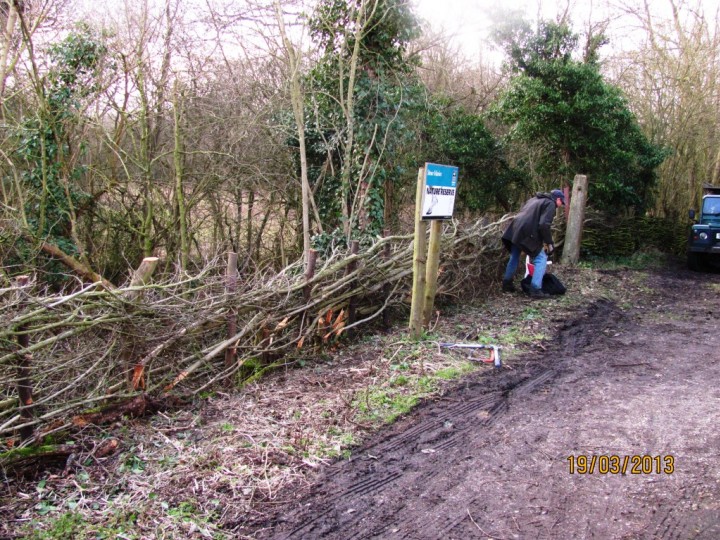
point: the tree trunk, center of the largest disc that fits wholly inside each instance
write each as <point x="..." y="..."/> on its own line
<point x="178" y="159"/>
<point x="6" y="43"/>
<point x="146" y="238"/>
<point x="576" y="217"/>
<point x="297" y="98"/>
<point x="249" y="219"/>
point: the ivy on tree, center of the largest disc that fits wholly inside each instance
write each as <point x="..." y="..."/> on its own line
<point x="357" y="108"/>
<point x="50" y="169"/>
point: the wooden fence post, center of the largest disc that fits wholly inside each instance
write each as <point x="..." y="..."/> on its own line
<point x="24" y="383"/>
<point x="231" y="276"/>
<point x="141" y="276"/>
<point x="386" y="287"/>
<point x="352" y="303"/>
<point x="136" y="374"/>
<point x="309" y="273"/>
<point x="307" y="317"/>
<point x="576" y="217"/>
<point x="433" y="263"/>
<point x="419" y="260"/>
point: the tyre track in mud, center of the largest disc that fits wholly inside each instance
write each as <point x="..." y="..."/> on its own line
<point x="489" y="459"/>
<point x="387" y="474"/>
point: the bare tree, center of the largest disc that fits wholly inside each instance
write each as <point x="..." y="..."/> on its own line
<point x="672" y="81"/>
<point x="293" y="57"/>
<point x="446" y="70"/>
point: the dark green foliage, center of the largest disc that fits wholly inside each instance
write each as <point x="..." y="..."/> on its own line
<point x="529" y="51"/>
<point x="391" y="26"/>
<point x="577" y="122"/>
<point x="396" y="128"/>
<point x="457" y="137"/>
<point x="75" y="62"/>
<point x="384" y="113"/>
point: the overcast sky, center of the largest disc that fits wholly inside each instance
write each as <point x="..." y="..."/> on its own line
<point x="469" y="20"/>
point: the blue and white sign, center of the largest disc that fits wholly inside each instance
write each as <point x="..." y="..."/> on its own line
<point x="439" y="193"/>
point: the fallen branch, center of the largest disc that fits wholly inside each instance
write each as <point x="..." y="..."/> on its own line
<point x="73" y="264"/>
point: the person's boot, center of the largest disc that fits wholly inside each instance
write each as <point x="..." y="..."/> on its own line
<point x="507" y="286"/>
<point x="537" y="294"/>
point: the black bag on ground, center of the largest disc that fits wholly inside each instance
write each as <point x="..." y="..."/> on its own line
<point x="550" y="284"/>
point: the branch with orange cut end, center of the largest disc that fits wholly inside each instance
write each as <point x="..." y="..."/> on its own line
<point x="105" y="448"/>
<point x="79" y="421"/>
<point x="282" y="324"/>
<point x="182" y="376"/>
<point x="138" y="379"/>
<point x="339" y="323"/>
<point x="337" y="326"/>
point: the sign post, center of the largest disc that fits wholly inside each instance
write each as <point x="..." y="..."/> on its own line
<point x="435" y="201"/>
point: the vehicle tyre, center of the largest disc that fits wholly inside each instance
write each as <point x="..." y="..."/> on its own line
<point x="694" y="261"/>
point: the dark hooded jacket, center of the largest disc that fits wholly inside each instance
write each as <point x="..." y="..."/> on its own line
<point x="531" y="227"/>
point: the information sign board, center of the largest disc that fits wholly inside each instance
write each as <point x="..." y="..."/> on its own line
<point x="439" y="192"/>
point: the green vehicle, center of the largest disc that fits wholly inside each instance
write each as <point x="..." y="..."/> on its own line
<point x="704" y="241"/>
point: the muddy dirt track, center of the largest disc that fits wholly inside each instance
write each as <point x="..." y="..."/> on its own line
<point x="493" y="458"/>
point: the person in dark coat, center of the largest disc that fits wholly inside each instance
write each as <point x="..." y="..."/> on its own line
<point x="530" y="231"/>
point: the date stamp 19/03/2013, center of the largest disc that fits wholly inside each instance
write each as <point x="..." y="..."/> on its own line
<point x="617" y="464"/>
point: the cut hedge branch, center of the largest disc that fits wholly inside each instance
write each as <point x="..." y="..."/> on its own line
<point x="103" y="346"/>
<point x="73" y="264"/>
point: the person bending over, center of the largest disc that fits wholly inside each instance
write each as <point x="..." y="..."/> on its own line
<point x="530" y="231"/>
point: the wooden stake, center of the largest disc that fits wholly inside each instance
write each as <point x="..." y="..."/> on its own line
<point x="419" y="260"/>
<point x="136" y="378"/>
<point x="433" y="263"/>
<point x="142" y="276"/>
<point x="386" y="287"/>
<point x="231" y="275"/>
<point x="576" y="217"/>
<point x="24" y="384"/>
<point x="352" y="305"/>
